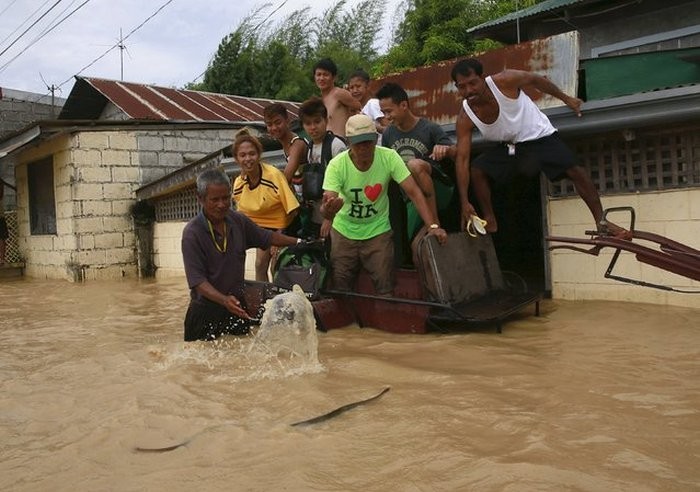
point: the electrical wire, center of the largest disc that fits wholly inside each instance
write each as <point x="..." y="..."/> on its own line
<point x="23" y="22"/>
<point x="44" y="33"/>
<point x="7" y="8"/>
<point x="117" y="44"/>
<point x="49" y="26"/>
<point x="27" y="29"/>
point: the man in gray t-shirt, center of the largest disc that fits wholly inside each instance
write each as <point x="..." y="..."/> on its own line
<point x="420" y="142"/>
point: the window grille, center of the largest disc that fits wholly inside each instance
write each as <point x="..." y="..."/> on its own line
<point x="177" y="207"/>
<point x="644" y="161"/>
<point x="12" y="254"/>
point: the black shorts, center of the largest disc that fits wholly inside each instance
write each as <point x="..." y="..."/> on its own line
<point x="547" y="154"/>
<point x="206" y="320"/>
<point x="4" y="233"/>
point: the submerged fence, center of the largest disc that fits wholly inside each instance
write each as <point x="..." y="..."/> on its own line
<point x="12" y="254"/>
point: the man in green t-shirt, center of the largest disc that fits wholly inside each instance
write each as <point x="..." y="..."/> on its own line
<point x="356" y="200"/>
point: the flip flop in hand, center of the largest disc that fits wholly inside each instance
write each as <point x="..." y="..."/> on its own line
<point x="476" y="225"/>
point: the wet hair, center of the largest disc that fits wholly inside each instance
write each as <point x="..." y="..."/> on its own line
<point x="275" y="109"/>
<point x="359" y="74"/>
<point x="328" y="65"/>
<point x="211" y="177"/>
<point x="244" y="136"/>
<point x="313" y="106"/>
<point x="394" y="92"/>
<point x="466" y="67"/>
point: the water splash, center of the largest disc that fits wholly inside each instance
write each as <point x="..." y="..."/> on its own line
<point x="288" y="327"/>
<point x="285" y="345"/>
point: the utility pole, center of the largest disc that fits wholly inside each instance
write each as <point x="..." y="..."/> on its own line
<point x="121" y="53"/>
<point x="53" y="105"/>
<point x="52" y="89"/>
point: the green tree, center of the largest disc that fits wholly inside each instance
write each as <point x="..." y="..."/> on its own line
<point x="275" y="60"/>
<point x="432" y="30"/>
<point x="436" y="30"/>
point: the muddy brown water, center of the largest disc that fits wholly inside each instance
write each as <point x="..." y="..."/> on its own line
<point x="591" y="396"/>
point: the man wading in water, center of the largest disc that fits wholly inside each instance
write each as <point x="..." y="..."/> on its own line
<point x="213" y="249"/>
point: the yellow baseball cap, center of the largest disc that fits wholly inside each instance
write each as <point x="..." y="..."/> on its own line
<point x="360" y="128"/>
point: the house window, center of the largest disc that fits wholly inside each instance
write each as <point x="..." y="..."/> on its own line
<point x="42" y="204"/>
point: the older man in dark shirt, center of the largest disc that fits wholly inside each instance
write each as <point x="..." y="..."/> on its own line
<point x="214" y="246"/>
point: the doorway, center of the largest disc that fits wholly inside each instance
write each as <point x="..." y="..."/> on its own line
<point x="519" y="242"/>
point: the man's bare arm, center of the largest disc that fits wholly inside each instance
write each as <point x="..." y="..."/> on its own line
<point x="442" y="151"/>
<point x="231" y="303"/>
<point x="517" y="79"/>
<point x="416" y="195"/>
<point x="345" y="98"/>
<point x="464" y="144"/>
<point x="297" y="156"/>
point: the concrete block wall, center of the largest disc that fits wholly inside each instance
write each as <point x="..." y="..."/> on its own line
<point x="48" y="256"/>
<point x="673" y="214"/>
<point x="93" y="190"/>
<point x="95" y="176"/>
<point x="105" y="176"/>
<point x="162" y="152"/>
<point x="167" y="237"/>
<point x="18" y="109"/>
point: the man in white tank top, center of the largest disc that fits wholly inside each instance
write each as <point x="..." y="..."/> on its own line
<point x="503" y="113"/>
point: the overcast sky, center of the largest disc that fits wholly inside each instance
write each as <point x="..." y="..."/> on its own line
<point x="171" y="49"/>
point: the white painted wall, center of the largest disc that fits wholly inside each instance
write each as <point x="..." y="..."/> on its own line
<point x="673" y="214"/>
<point x="167" y="237"/>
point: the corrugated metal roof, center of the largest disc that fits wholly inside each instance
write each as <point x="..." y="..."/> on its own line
<point x="539" y="8"/>
<point x="433" y="95"/>
<point x="149" y="102"/>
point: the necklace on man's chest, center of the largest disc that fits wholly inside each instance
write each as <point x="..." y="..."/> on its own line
<point x="222" y="248"/>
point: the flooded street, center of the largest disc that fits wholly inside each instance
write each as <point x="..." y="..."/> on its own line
<point x="591" y="396"/>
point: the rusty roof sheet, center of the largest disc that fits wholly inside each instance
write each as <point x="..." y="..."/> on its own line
<point x="149" y="102"/>
<point x="432" y="93"/>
